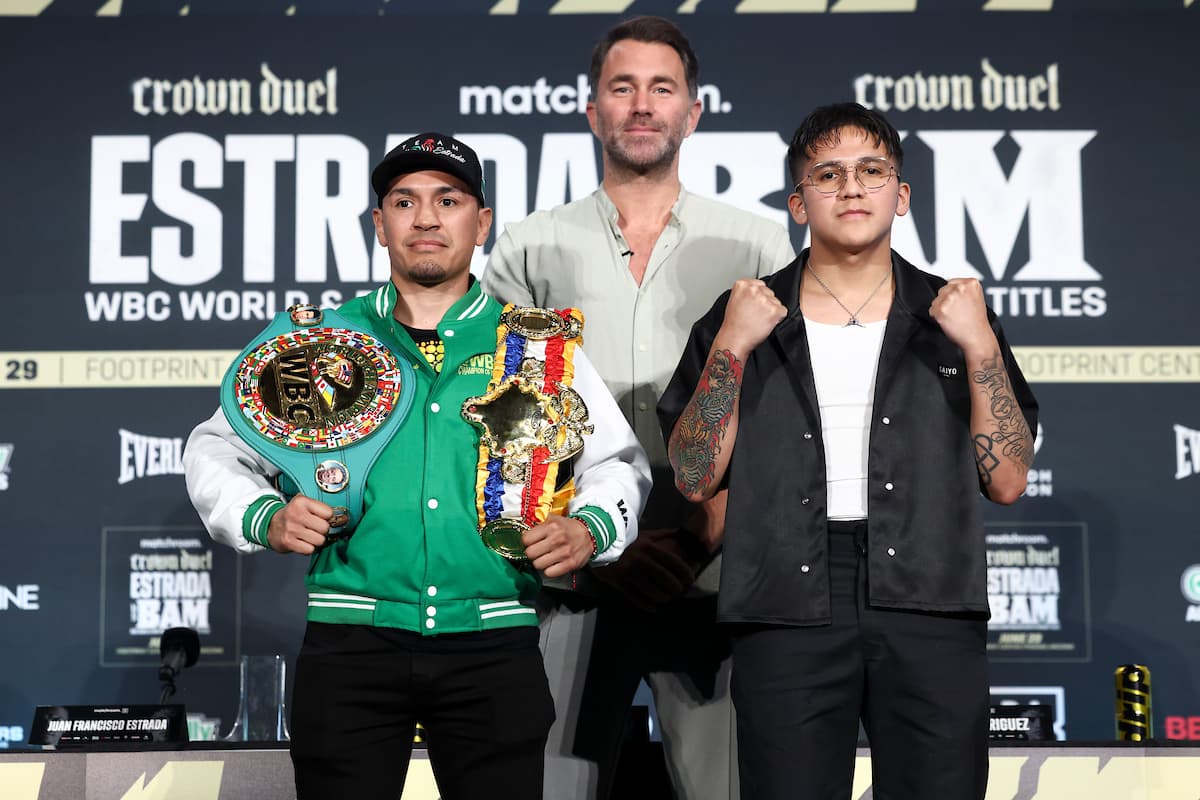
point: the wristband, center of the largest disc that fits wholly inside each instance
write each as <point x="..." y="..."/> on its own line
<point x="592" y="536"/>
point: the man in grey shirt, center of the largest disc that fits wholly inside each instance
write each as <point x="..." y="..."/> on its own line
<point x="643" y="259"/>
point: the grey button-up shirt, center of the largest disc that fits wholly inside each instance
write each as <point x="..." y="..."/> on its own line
<point x="574" y="255"/>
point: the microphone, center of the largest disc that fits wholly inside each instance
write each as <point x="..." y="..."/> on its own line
<point x="178" y="648"/>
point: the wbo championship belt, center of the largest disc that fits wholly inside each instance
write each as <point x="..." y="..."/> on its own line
<point x="319" y="399"/>
<point x="530" y="421"/>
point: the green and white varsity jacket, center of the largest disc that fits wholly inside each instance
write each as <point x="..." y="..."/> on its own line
<point x="415" y="561"/>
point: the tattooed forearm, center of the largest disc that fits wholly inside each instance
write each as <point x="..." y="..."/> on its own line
<point x="985" y="460"/>
<point x="1009" y="436"/>
<point x="696" y="442"/>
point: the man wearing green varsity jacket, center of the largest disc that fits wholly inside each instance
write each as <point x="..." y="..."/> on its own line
<point x="411" y="618"/>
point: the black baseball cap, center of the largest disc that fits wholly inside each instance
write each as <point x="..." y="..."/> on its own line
<point x="435" y="151"/>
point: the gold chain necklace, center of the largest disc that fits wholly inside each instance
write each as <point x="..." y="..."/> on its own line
<point x="853" y="314"/>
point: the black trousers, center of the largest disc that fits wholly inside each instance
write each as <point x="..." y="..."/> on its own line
<point x="918" y="682"/>
<point x="482" y="698"/>
<point x="628" y="644"/>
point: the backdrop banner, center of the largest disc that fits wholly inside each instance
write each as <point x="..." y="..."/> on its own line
<point x="174" y="174"/>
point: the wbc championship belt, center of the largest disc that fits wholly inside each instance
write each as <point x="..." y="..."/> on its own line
<point x="530" y="421"/>
<point x="319" y="399"/>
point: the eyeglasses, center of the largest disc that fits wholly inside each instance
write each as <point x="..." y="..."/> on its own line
<point x="873" y="173"/>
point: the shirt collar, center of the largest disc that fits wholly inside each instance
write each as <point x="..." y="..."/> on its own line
<point x="469" y="306"/>
<point x="609" y="211"/>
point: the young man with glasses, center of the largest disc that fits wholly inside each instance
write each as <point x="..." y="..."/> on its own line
<point x="870" y="402"/>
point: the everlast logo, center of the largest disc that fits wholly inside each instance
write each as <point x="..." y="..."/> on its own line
<point x="6" y="451"/>
<point x="147" y="456"/>
<point x="1187" y="452"/>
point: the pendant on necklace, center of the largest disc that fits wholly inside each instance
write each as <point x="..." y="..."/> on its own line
<point x="853" y="321"/>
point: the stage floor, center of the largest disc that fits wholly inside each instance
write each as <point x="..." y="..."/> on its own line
<point x="1021" y="771"/>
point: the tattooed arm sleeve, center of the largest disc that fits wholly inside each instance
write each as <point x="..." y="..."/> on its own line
<point x="701" y="443"/>
<point x="1002" y="438"/>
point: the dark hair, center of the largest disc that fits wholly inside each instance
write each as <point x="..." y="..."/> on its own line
<point x="822" y="126"/>
<point x="653" y="30"/>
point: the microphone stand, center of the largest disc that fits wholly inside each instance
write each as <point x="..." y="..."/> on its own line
<point x="168" y="678"/>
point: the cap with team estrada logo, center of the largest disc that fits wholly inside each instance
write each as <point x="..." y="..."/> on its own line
<point x="434" y="151"/>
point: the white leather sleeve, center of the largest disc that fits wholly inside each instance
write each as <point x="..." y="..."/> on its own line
<point x="612" y="473"/>
<point x="224" y="476"/>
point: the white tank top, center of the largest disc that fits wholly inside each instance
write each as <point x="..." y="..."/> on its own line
<point x="844" y="363"/>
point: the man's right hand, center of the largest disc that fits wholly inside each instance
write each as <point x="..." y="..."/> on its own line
<point x="751" y="314"/>
<point x="300" y="526"/>
<point x="657" y="568"/>
<point x="661" y="564"/>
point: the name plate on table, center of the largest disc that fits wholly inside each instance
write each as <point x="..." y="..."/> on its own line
<point x="1022" y="723"/>
<point x="83" y="726"/>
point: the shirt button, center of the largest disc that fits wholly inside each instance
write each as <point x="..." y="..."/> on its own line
<point x="807" y="435"/>
<point x="435" y="407"/>
<point x="889" y="486"/>
<point x="431" y="611"/>
<point x="643" y="348"/>
<point x="804" y="568"/>
<point x="433" y="503"/>
<point x="805" y="501"/>
<point x="891" y="551"/>
<point x="449" y="332"/>
<point x="886" y="420"/>
<point x="431" y="591"/>
<point x="429" y="623"/>
<point x="642" y="406"/>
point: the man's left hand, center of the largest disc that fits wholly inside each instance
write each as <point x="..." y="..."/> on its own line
<point x="961" y="311"/>
<point x="707" y="520"/>
<point x="558" y="546"/>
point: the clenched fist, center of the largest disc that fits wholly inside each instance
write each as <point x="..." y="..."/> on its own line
<point x="558" y="546"/>
<point x="961" y="311"/>
<point x="300" y="526"/>
<point x="751" y="314"/>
